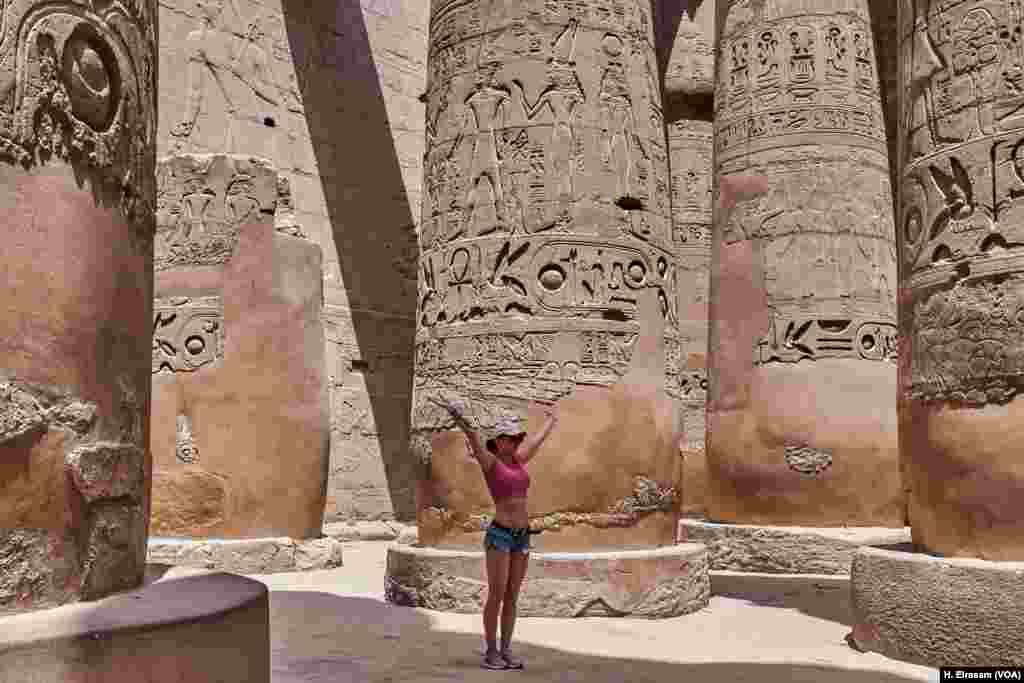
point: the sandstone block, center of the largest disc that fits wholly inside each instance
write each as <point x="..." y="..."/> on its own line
<point x="202" y="628"/>
<point x="938" y="611"/>
<point x="785" y="550"/>
<point x="656" y="583"/>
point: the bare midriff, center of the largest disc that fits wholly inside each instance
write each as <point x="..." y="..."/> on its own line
<point x="512" y="513"/>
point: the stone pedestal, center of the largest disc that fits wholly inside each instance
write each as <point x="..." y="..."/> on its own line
<point x="801" y="411"/>
<point x="240" y="427"/>
<point x="962" y="286"/>
<point x="657" y="583"/>
<point x="785" y="550"/>
<point x="938" y="611"/>
<point x="201" y="628"/>
<point x="248" y="556"/>
<point x="77" y="126"/>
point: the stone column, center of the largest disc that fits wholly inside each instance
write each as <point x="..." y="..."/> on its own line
<point x="546" y="219"/>
<point x="240" y="427"/>
<point x="77" y="141"/>
<point x="548" y="275"/>
<point x="962" y="302"/>
<point x="690" y="147"/>
<point x="802" y="420"/>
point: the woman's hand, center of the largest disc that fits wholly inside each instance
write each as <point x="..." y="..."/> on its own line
<point x="456" y="409"/>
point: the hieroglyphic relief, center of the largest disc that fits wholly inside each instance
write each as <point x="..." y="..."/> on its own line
<point x="802" y="108"/>
<point x="201" y="203"/>
<point x="690" y="148"/>
<point x="188" y="333"/>
<point x="77" y="83"/>
<point x="962" y="130"/>
<point x="545" y="119"/>
<point x="546" y="200"/>
<point x="232" y="83"/>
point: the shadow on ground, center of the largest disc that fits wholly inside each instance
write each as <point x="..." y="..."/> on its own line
<point x="320" y="638"/>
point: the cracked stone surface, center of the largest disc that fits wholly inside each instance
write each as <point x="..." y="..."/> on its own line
<point x="251" y="556"/>
<point x="656" y="583"/>
<point x="785" y="550"/>
<point x="938" y="611"/>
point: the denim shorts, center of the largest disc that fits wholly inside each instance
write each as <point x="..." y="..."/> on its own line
<point x="507" y="540"/>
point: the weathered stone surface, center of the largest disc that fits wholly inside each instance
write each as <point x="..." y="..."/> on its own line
<point x="77" y="136"/>
<point x="363" y="531"/>
<point x="260" y="78"/>
<point x="547" y="270"/>
<point x="605" y="478"/>
<point x="240" y="424"/>
<point x="784" y="550"/>
<point x="656" y="583"/>
<point x="690" y="150"/>
<point x="108" y="470"/>
<point x="961" y="293"/>
<point x="690" y="69"/>
<point x="938" y="611"/>
<point x="802" y="331"/>
<point x="318" y="553"/>
<point x="205" y="628"/>
<point x="408" y="536"/>
<point x="249" y="556"/>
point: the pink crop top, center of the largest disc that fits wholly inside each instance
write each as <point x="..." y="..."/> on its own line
<point x="507" y="481"/>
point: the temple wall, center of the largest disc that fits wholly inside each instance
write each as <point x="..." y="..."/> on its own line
<point x="328" y="92"/>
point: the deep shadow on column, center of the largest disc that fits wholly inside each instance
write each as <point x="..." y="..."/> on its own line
<point x="371" y="217"/>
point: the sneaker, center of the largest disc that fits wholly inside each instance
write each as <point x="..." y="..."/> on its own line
<point x="493" y="660"/>
<point x="511" y="661"/>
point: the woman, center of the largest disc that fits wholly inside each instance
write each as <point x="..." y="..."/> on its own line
<point x="507" y="543"/>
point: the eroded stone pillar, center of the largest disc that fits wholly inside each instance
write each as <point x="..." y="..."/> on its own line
<point x="546" y="224"/>
<point x="690" y="151"/>
<point x="802" y="421"/>
<point x="240" y="427"/>
<point x="962" y="299"/>
<point x="690" y="67"/>
<point x="77" y="125"/>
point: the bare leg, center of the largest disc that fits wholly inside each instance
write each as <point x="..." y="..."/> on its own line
<point x="516" y="572"/>
<point x="497" y="584"/>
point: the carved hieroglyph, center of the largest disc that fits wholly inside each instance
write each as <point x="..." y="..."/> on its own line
<point x="690" y="143"/>
<point x="962" y="289"/>
<point x="546" y="209"/>
<point x="803" y="277"/>
<point x="77" y="137"/>
<point x="202" y="200"/>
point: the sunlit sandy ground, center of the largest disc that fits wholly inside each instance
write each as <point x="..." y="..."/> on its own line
<point x="334" y="626"/>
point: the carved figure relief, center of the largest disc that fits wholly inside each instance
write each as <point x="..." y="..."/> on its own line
<point x="230" y="77"/>
<point x="539" y="121"/>
<point x="187" y="333"/>
<point x="960" y="229"/>
<point x="201" y="203"/>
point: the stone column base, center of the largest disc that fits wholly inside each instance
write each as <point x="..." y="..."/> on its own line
<point x="656" y="583"/>
<point x="247" y="556"/>
<point x="785" y="550"/>
<point x="196" y="627"/>
<point x="938" y="611"/>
